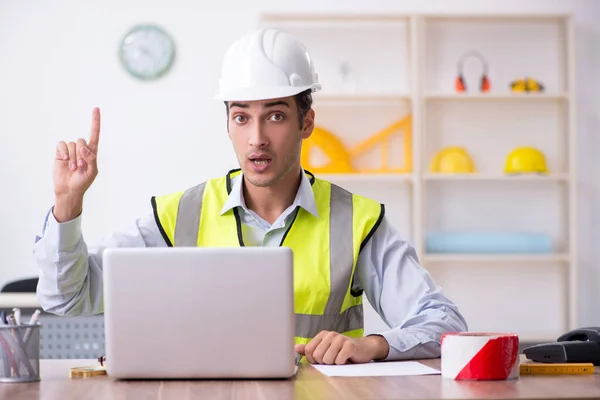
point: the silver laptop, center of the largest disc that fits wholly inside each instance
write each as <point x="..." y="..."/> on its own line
<point x="199" y="313"/>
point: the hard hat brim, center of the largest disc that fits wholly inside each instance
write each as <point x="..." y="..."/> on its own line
<point x="265" y="93"/>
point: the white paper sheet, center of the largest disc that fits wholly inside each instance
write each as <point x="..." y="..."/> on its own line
<point x="391" y="368"/>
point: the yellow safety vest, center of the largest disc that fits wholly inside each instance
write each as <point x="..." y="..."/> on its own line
<point x="325" y="248"/>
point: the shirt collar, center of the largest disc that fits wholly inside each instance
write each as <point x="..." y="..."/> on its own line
<point x="305" y="196"/>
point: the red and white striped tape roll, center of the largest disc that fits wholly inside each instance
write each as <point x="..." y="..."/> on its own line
<point x="480" y="356"/>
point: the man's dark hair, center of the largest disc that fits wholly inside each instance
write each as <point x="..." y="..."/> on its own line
<point x="304" y="102"/>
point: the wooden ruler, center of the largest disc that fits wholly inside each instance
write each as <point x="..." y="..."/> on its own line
<point x="556" y="368"/>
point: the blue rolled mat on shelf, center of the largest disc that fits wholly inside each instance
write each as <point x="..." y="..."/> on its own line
<point x="488" y="242"/>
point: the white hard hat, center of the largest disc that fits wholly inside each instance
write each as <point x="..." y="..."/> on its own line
<point x="266" y="64"/>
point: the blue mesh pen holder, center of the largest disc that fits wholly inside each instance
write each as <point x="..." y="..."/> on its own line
<point x="19" y="353"/>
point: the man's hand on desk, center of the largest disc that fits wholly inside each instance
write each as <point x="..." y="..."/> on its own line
<point x="335" y="348"/>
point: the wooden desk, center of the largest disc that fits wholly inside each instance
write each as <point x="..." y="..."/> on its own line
<point x="309" y="384"/>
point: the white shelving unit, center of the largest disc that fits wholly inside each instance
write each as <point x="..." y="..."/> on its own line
<point x="376" y="69"/>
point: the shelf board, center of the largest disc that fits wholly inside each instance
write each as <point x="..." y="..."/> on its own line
<point x="497" y="96"/>
<point x="559" y="177"/>
<point x="401" y="17"/>
<point x="367" y="177"/>
<point x="332" y="21"/>
<point x="21" y="300"/>
<point x="496" y="258"/>
<point x="359" y="99"/>
<point x="538" y="338"/>
<point x="497" y="17"/>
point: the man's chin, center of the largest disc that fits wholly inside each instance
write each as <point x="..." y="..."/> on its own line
<point x="260" y="180"/>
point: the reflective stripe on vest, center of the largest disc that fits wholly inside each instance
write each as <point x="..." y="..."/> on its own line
<point x="181" y="220"/>
<point x="188" y="216"/>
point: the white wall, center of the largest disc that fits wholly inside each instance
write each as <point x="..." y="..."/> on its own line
<point x="58" y="59"/>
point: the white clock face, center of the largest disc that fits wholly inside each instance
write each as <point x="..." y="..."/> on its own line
<point x="147" y="52"/>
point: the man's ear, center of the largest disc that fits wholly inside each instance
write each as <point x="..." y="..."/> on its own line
<point x="309" y="124"/>
<point x="227" y="118"/>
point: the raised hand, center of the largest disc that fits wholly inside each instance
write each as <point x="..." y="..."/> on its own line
<point x="75" y="168"/>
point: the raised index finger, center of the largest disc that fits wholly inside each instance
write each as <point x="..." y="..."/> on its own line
<point x="95" y="130"/>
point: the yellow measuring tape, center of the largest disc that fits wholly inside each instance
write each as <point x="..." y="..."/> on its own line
<point x="557" y="369"/>
<point x="86" y="372"/>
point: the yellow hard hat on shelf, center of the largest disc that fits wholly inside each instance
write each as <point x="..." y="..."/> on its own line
<point x="524" y="160"/>
<point x="452" y="160"/>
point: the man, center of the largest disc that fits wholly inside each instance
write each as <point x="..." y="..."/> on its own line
<point x="343" y="243"/>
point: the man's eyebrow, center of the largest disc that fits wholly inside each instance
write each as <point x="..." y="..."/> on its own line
<point x="241" y="105"/>
<point x="276" y="103"/>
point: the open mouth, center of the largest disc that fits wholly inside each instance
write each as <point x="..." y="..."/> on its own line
<point x="260" y="161"/>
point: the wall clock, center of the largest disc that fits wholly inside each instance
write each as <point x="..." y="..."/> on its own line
<point x="147" y="52"/>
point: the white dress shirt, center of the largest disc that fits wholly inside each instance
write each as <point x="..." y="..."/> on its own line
<point x="399" y="289"/>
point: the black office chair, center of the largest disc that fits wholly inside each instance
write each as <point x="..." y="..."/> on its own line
<point x="63" y="337"/>
<point x="21" y="286"/>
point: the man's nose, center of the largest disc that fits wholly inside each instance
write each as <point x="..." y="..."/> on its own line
<point x="258" y="137"/>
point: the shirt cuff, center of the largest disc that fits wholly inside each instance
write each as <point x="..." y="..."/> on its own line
<point x="403" y="344"/>
<point x="66" y="234"/>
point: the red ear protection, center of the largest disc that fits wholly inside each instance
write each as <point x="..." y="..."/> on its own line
<point x="460" y="83"/>
<point x="485" y="84"/>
